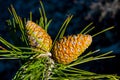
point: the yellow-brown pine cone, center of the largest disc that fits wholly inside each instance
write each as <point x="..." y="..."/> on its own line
<point x="38" y="37"/>
<point x="69" y="48"/>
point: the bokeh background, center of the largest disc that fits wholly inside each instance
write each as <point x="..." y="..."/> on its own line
<point x="103" y="14"/>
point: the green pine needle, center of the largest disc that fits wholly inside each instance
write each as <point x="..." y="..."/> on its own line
<point x="89" y="30"/>
<point x="44" y="23"/>
<point x="43" y="11"/>
<point x="64" y="29"/>
<point x="103" y="31"/>
<point x="17" y="21"/>
<point x="9" y="45"/>
<point x="30" y="16"/>
<point x="86" y="28"/>
<point x="91" y="58"/>
<point x="47" y="25"/>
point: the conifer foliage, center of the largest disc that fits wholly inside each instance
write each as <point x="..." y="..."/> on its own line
<point x="47" y="59"/>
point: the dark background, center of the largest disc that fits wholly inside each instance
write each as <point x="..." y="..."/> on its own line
<point x="84" y="11"/>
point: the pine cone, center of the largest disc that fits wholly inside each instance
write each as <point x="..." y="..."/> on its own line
<point x="69" y="48"/>
<point x="38" y="37"/>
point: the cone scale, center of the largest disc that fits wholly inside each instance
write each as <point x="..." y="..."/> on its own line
<point x="69" y="48"/>
<point x="65" y="50"/>
<point x="38" y="37"/>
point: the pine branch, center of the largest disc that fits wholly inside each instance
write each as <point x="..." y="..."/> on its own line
<point x="41" y="66"/>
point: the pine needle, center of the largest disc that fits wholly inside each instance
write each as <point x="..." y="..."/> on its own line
<point x="103" y="31"/>
<point x="18" y="21"/>
<point x="89" y="30"/>
<point x="91" y="58"/>
<point x="41" y="23"/>
<point x="47" y="25"/>
<point x="64" y="29"/>
<point x="43" y="11"/>
<point x="86" y="28"/>
<point x="88" y="54"/>
<point x="9" y="45"/>
<point x="14" y="14"/>
<point x="30" y="16"/>
<point x="8" y="58"/>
